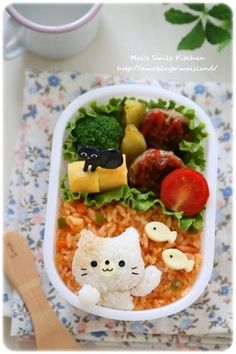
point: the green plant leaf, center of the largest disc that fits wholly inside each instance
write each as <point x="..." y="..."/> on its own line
<point x="179" y="17"/>
<point x="223" y="45"/>
<point x="228" y="26"/>
<point x="196" y="7"/>
<point x="221" y="11"/>
<point x="194" y="39"/>
<point x="215" y="34"/>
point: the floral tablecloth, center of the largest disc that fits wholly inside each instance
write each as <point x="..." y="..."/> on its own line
<point x="205" y="325"/>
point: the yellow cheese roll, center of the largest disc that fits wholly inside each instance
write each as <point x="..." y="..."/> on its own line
<point x="80" y="181"/>
<point x="112" y="178"/>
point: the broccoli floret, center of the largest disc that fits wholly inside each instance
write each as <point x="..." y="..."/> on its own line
<point x="101" y="131"/>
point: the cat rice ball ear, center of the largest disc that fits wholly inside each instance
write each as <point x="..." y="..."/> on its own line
<point x="113" y="266"/>
<point x="85" y="236"/>
<point x="131" y="235"/>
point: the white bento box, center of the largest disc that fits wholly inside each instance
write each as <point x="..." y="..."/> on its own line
<point x="58" y="170"/>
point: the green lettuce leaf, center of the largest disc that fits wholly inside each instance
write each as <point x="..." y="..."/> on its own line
<point x="137" y="200"/>
<point x="100" y="199"/>
<point x="194" y="156"/>
<point x="66" y="193"/>
<point x="194" y="223"/>
<point x="69" y="150"/>
<point x="130" y="197"/>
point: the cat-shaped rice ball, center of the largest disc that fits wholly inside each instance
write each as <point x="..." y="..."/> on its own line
<point x="111" y="269"/>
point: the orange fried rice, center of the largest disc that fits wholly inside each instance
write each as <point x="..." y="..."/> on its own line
<point x="174" y="284"/>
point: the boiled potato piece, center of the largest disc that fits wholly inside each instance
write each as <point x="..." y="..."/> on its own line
<point x="134" y="112"/>
<point x="133" y="143"/>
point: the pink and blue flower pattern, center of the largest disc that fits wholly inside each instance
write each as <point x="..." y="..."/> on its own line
<point x="205" y="325"/>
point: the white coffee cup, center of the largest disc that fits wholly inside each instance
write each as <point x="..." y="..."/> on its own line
<point x="53" y="31"/>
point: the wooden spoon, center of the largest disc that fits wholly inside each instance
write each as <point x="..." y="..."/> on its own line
<point x="20" y="268"/>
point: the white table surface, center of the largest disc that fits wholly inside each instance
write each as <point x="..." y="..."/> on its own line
<point x="125" y="30"/>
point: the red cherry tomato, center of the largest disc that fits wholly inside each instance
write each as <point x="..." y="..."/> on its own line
<point x="185" y="190"/>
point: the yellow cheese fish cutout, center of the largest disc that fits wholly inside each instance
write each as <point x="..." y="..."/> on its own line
<point x="177" y="260"/>
<point x="159" y="232"/>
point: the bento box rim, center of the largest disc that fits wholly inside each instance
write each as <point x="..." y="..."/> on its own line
<point x="145" y="92"/>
